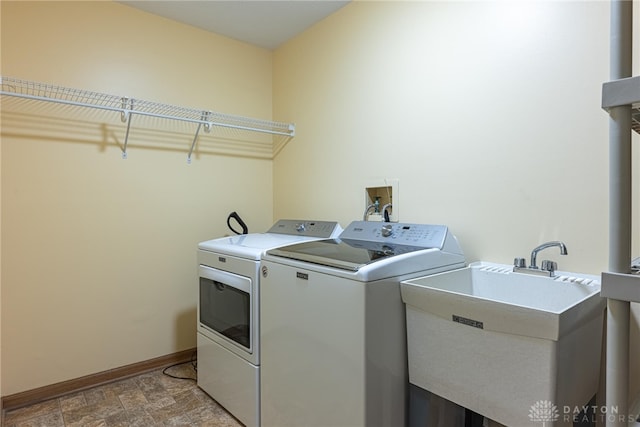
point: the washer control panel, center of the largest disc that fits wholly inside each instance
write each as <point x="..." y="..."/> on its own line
<point x="321" y="229"/>
<point x="423" y="235"/>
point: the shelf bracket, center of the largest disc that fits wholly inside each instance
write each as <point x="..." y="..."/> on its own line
<point x="207" y="128"/>
<point x="126" y="115"/>
<point x="206" y="117"/>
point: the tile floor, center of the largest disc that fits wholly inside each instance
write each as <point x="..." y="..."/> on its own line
<point x="147" y="400"/>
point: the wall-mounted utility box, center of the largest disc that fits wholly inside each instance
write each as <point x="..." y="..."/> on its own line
<point x="385" y="191"/>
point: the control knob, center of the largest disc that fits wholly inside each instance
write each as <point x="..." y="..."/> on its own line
<point x="550" y="266"/>
<point x="300" y="227"/>
<point x="387" y="230"/>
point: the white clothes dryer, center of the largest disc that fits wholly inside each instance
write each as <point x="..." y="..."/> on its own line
<point x="332" y="323"/>
<point x="228" y="327"/>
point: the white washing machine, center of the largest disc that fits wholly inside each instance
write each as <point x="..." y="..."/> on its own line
<point x="332" y="323"/>
<point x="228" y="328"/>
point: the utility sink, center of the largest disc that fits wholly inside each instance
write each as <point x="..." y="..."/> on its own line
<point x="500" y="342"/>
<point x="503" y="301"/>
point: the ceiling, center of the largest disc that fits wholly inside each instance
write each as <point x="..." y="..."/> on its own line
<point x="263" y="23"/>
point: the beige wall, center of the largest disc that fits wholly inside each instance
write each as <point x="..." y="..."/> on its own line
<point x="99" y="253"/>
<point x="487" y="113"/>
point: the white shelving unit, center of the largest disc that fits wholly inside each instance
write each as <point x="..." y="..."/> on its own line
<point x="619" y="93"/>
<point x="128" y="107"/>
<point x="622" y="287"/>
<point x="621" y="99"/>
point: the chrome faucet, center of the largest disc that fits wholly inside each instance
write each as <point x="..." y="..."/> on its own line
<point x="548" y="268"/>
<point x="534" y="253"/>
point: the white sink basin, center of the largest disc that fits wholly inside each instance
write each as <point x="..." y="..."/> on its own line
<point x="504" y="301"/>
<point x="499" y="342"/>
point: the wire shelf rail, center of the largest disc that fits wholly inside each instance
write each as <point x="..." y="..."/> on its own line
<point x="127" y="107"/>
<point x="625" y="91"/>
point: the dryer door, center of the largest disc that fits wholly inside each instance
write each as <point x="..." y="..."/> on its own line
<point x="225" y="307"/>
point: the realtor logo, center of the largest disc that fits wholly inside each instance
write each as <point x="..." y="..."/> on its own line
<point x="544" y="411"/>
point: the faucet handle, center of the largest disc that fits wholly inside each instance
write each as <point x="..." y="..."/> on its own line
<point x="550" y="266"/>
<point x="519" y="262"/>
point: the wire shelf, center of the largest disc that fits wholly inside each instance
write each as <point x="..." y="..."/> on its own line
<point x="130" y="106"/>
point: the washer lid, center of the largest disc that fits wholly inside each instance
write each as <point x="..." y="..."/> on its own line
<point x="345" y="254"/>
<point x="282" y="233"/>
<point x="250" y="245"/>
